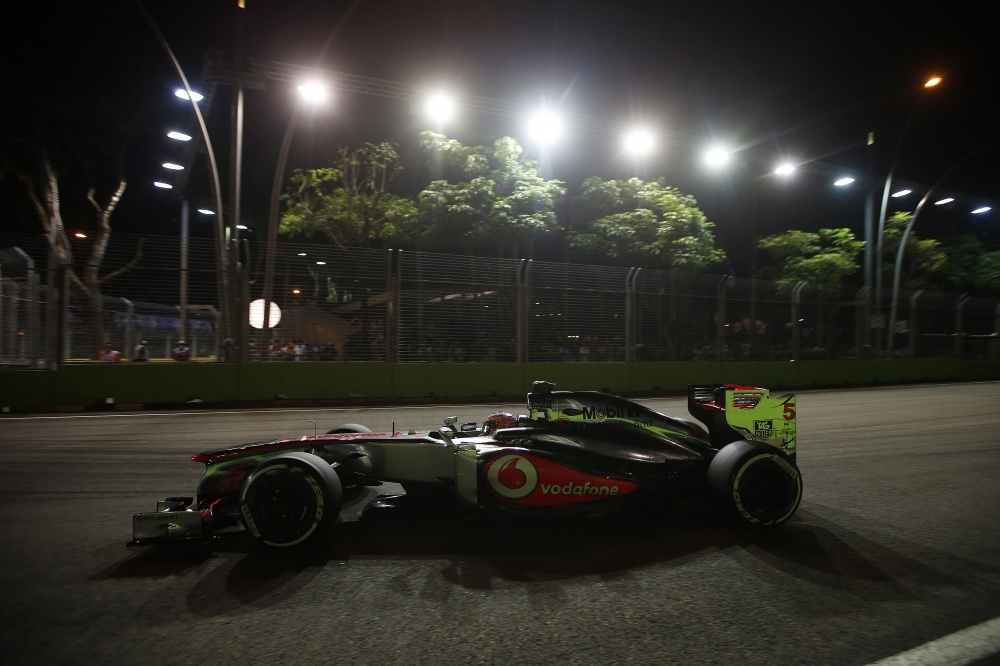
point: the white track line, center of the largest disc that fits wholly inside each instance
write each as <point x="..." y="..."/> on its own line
<point x="962" y="647"/>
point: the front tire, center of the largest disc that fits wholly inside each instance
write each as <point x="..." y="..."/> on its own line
<point x="758" y="484"/>
<point x="291" y="500"/>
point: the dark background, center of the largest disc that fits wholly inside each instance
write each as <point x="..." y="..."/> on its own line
<point x="779" y="80"/>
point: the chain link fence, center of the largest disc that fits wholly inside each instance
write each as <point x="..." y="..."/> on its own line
<point x="356" y="304"/>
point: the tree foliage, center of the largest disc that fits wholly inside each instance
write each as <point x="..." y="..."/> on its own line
<point x="642" y="223"/>
<point x="924" y="260"/>
<point x="972" y="266"/>
<point x="489" y="199"/>
<point x="350" y="202"/>
<point x="986" y="276"/>
<point x="826" y="257"/>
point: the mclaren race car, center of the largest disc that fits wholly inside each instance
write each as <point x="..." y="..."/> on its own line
<point x="575" y="452"/>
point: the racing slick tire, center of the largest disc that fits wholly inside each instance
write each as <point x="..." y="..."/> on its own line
<point x="348" y="427"/>
<point x="756" y="482"/>
<point x="291" y="500"/>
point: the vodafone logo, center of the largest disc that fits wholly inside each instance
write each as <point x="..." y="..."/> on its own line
<point x="526" y="479"/>
<point x="512" y="476"/>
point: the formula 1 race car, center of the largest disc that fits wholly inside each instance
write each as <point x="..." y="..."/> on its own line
<point x="575" y="452"/>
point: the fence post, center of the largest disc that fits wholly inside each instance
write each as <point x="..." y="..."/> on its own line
<point x="633" y="273"/>
<point x="392" y="287"/>
<point x="796" y="319"/>
<point x="33" y="329"/>
<point x="720" y="318"/>
<point x="995" y="343"/>
<point x="861" y="323"/>
<point x="129" y="323"/>
<point x="57" y="303"/>
<point x="4" y="354"/>
<point x="523" y="276"/>
<point x="914" y="333"/>
<point x="959" y="323"/>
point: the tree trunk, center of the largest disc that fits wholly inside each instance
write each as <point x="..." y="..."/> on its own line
<point x="90" y="283"/>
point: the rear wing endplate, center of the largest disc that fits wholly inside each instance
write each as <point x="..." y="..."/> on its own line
<point x="734" y="412"/>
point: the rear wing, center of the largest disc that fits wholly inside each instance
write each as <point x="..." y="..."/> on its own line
<point x="733" y="412"/>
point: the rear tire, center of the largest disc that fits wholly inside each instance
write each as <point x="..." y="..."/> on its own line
<point x="291" y="500"/>
<point x="758" y="484"/>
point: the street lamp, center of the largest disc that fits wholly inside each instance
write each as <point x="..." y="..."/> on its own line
<point x="313" y="93"/>
<point x="440" y="108"/>
<point x="545" y="127"/>
<point x="192" y="96"/>
<point x="897" y="272"/>
<point x="639" y="141"/>
<point x="930" y="83"/>
<point x="718" y="156"/>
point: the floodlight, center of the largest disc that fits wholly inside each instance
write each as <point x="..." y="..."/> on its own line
<point x="183" y="94"/>
<point x="639" y="141"/>
<point x="546" y="127"/>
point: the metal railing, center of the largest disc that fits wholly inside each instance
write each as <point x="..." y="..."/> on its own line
<point x="401" y="306"/>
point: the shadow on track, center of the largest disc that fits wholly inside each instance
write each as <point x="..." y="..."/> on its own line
<point x="476" y="551"/>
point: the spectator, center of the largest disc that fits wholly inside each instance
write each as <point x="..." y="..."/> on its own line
<point x="181" y="352"/>
<point x="141" y="352"/>
<point x="109" y="354"/>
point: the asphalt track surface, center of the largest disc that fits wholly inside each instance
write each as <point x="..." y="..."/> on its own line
<point x="896" y="543"/>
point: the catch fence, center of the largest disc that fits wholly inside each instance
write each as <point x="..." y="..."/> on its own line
<point x="400" y="306"/>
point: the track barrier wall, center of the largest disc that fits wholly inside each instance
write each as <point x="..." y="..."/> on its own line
<point x="78" y="387"/>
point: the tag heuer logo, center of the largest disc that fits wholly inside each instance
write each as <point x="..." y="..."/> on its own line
<point x="763" y="429"/>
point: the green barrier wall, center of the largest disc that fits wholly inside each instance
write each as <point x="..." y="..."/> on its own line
<point x="133" y="385"/>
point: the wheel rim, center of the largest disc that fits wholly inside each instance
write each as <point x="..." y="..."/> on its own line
<point x="281" y="508"/>
<point x="767" y="492"/>
<point x="281" y="505"/>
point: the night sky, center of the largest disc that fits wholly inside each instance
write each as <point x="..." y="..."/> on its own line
<point x="780" y="80"/>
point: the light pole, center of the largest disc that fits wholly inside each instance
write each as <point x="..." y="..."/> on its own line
<point x="930" y="83"/>
<point x="313" y="93"/>
<point x="215" y="183"/>
<point x="902" y="247"/>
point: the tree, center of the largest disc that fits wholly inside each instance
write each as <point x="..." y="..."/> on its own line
<point x="349" y="202"/>
<point x="497" y="202"/>
<point x="643" y="223"/>
<point x="965" y="252"/>
<point x="824" y="258"/>
<point x="66" y="143"/>
<point x="925" y="261"/>
<point x="987" y="274"/>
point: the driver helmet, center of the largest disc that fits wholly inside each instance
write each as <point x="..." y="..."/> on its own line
<point x="497" y="421"/>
